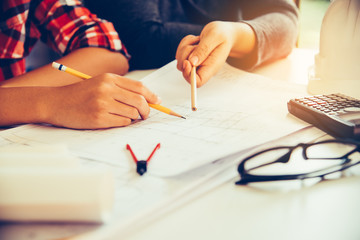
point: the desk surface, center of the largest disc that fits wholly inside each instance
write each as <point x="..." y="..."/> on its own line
<point x="329" y="210"/>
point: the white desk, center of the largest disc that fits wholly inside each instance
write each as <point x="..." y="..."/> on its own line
<point x="328" y="210"/>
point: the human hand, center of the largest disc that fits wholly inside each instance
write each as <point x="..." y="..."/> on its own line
<point x="209" y="51"/>
<point x="104" y="101"/>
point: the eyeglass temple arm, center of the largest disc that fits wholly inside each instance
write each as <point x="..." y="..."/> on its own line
<point x="283" y="159"/>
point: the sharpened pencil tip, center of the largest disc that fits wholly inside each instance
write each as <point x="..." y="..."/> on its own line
<point x="183" y="117"/>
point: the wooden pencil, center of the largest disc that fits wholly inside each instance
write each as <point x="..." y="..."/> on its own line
<point x="193" y="88"/>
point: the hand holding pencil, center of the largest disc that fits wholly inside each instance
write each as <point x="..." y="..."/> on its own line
<point x="133" y="94"/>
<point x="104" y="101"/>
<point x="209" y="51"/>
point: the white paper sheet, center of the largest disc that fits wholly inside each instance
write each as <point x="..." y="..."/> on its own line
<point x="236" y="110"/>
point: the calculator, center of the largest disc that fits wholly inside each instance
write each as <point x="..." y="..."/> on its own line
<point x="336" y="114"/>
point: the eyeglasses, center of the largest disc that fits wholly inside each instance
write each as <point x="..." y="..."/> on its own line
<point x="316" y="160"/>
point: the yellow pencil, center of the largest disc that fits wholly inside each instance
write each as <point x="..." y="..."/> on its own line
<point x="85" y="76"/>
<point x="164" y="110"/>
<point x="70" y="70"/>
<point x="193" y="88"/>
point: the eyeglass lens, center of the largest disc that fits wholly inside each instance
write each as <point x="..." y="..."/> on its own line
<point x="329" y="150"/>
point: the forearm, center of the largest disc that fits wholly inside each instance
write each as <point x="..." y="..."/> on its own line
<point x="92" y="61"/>
<point x="275" y="24"/>
<point x="104" y="101"/>
<point x="23" y="105"/>
<point x="276" y="35"/>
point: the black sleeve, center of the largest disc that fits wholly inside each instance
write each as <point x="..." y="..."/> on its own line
<point x="150" y="30"/>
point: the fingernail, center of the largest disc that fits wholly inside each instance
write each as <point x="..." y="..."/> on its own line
<point x="194" y="60"/>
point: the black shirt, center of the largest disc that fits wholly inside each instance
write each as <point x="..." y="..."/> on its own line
<point x="152" y="29"/>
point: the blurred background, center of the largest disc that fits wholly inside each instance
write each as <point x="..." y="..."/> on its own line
<point x="311" y="15"/>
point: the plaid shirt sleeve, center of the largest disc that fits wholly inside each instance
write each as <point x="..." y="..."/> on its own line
<point x="66" y="25"/>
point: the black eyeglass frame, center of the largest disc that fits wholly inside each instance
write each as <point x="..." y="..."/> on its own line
<point x="246" y="177"/>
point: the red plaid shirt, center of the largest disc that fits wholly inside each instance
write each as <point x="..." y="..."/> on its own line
<point x="63" y="25"/>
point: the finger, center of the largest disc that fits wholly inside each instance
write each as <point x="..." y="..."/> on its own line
<point x="187" y="71"/>
<point x="124" y="110"/>
<point x="202" y="50"/>
<point x="211" y="65"/>
<point x="185" y="48"/>
<point x="137" y="104"/>
<point x="114" y="120"/>
<point x="137" y="87"/>
<point x="183" y="56"/>
<point x="188" y="40"/>
<point x="103" y="120"/>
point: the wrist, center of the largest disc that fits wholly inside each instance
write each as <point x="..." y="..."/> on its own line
<point x="20" y="105"/>
<point x="244" y="40"/>
<point x="45" y="104"/>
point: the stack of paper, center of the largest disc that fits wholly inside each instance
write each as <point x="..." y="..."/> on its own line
<point x="45" y="183"/>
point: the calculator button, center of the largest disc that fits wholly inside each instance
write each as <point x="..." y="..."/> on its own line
<point x="321" y="102"/>
<point x="352" y="109"/>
